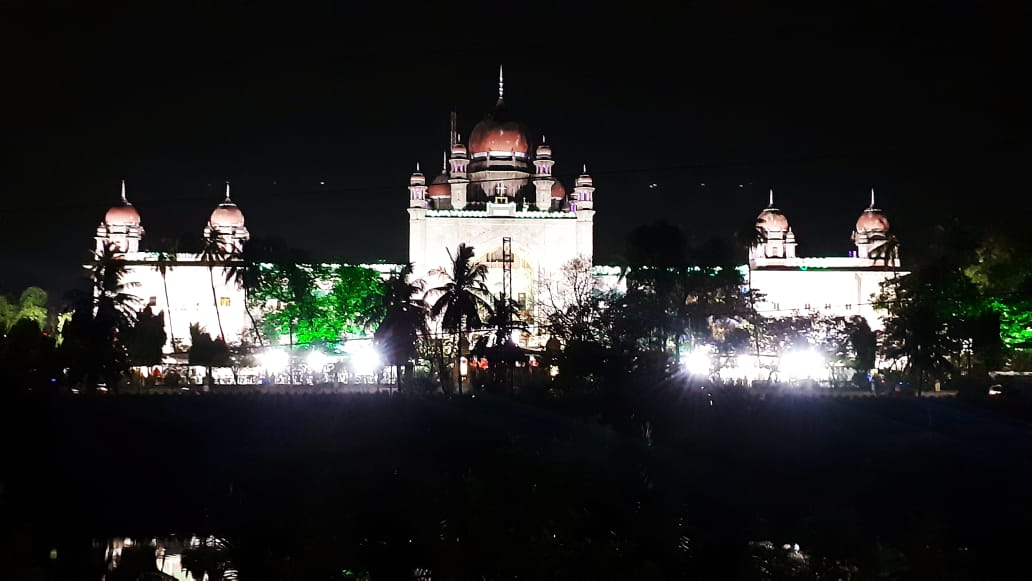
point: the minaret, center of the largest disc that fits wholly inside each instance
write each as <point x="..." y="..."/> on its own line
<point x="453" y="135"/>
<point x="780" y="240"/>
<point x="417" y="217"/>
<point x="871" y="233"/>
<point x="417" y="189"/>
<point x="583" y="191"/>
<point x="790" y="244"/>
<point x="583" y="204"/>
<point x="121" y="227"/>
<point x="457" y="177"/>
<point x="543" y="181"/>
<point x="227" y="223"/>
<point x="501" y="88"/>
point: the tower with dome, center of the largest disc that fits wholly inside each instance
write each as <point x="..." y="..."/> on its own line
<point x="497" y="186"/>
<point x="841" y="286"/>
<point x="187" y="278"/>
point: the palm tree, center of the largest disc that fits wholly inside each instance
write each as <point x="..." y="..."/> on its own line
<point x="214" y="253"/>
<point x="163" y="263"/>
<point x="460" y="300"/>
<point x="749" y="236"/>
<point x="99" y="316"/>
<point x="504" y="317"/>
<point x="243" y="269"/>
<point x="109" y="287"/>
<point x="405" y="319"/>
<point x="887" y="252"/>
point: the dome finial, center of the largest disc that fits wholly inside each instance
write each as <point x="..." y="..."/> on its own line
<point x="770" y="203"/>
<point x="124" y="199"/>
<point x="501" y="85"/>
<point x="543" y="140"/>
<point x="584" y="168"/>
<point x="872" y="198"/>
<point x="227" y="201"/>
<point x="417" y="167"/>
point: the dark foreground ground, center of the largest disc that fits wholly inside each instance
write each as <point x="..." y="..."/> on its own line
<point x="307" y="487"/>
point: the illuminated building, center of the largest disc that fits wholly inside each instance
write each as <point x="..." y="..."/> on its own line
<point x="841" y="286"/>
<point x="190" y="297"/>
<point x="500" y="186"/>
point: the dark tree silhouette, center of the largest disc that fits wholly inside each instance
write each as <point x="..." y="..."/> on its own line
<point x="207" y="352"/>
<point x="460" y="300"/>
<point x="92" y="339"/>
<point x="404" y="321"/>
<point x="164" y="262"/>
<point x="214" y="254"/>
<point x="146" y="338"/>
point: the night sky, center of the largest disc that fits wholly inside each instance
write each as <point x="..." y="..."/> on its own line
<point x="318" y="115"/>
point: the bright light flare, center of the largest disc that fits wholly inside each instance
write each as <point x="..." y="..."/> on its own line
<point x="803" y="365"/>
<point x="274" y="360"/>
<point x="365" y="360"/>
<point x="317" y="360"/>
<point x="697" y="362"/>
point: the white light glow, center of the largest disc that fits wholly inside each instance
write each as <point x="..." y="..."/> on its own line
<point x="317" y="360"/>
<point x="744" y="368"/>
<point x="697" y="362"/>
<point x="274" y="360"/>
<point x="802" y="365"/>
<point x="365" y="360"/>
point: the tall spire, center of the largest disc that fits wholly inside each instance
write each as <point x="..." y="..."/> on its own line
<point x="453" y="135"/>
<point x="872" y="198"/>
<point x="770" y="203"/>
<point x="501" y="85"/>
<point x="227" y="200"/>
<point x="124" y="199"/>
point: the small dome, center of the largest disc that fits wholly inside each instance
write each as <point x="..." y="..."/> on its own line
<point x="123" y="214"/>
<point x="558" y="191"/>
<point x="543" y="150"/>
<point x="772" y="219"/>
<point x="227" y="214"/>
<point x="872" y="220"/>
<point x="439" y="188"/>
<point x="417" y="178"/>
<point x="458" y="150"/>
<point x="498" y="132"/>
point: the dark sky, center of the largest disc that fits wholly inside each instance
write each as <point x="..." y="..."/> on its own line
<point x="318" y="114"/>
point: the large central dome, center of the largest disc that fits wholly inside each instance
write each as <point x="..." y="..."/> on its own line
<point x="499" y="132"/>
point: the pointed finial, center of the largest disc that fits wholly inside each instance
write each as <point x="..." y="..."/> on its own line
<point x="770" y="203"/>
<point x="124" y="199"/>
<point x="444" y="162"/>
<point x="227" y="193"/>
<point x="584" y="168"/>
<point x="417" y="167"/>
<point x="543" y="140"/>
<point x="872" y="197"/>
<point x="501" y="84"/>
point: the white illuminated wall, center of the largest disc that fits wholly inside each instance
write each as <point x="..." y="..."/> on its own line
<point x="190" y="295"/>
<point x="840" y="291"/>
<point x="541" y="243"/>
